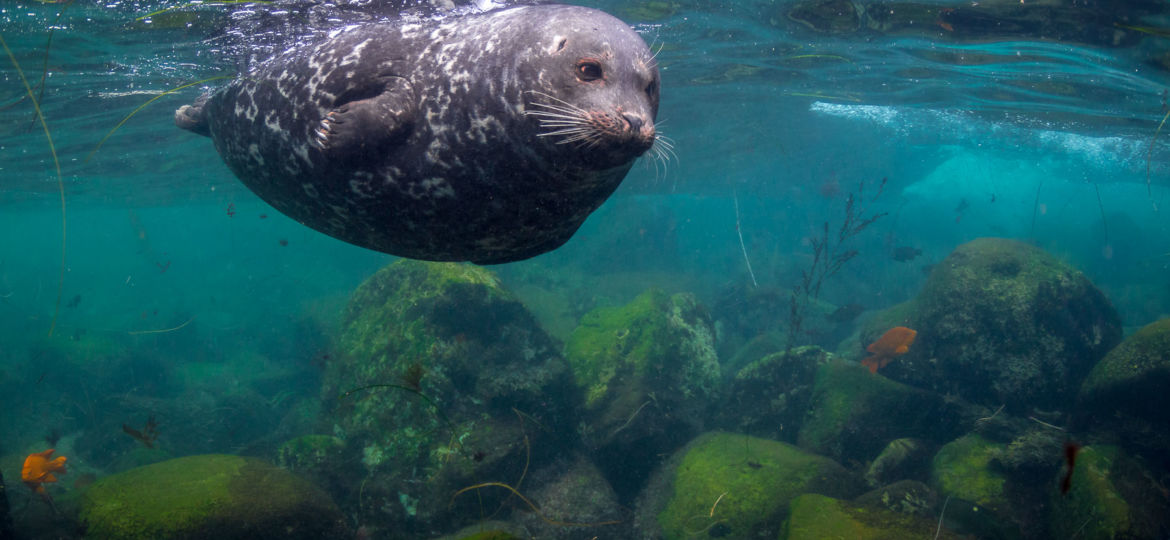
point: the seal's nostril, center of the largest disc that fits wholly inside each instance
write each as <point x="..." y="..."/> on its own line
<point x="634" y="120"/>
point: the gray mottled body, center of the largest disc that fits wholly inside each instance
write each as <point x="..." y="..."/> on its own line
<point x="488" y="137"/>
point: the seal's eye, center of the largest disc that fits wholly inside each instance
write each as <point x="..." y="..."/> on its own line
<point x="652" y="88"/>
<point x="589" y="70"/>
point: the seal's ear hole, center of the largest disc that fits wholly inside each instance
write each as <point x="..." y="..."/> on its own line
<point x="561" y="45"/>
<point x="589" y="70"/>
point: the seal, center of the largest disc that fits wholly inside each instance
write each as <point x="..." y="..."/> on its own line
<point x="486" y="138"/>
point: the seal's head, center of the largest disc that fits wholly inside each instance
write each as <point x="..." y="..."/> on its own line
<point x="597" y="95"/>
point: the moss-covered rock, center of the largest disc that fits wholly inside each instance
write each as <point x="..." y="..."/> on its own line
<point x="904" y="496"/>
<point x="817" y="517"/>
<point x="769" y="397"/>
<point x="572" y="490"/>
<point x="853" y="413"/>
<point x="901" y="459"/>
<point x="313" y="456"/>
<point x="735" y="486"/>
<point x="1125" y="394"/>
<point x="1110" y="495"/>
<point x="963" y="468"/>
<point x="649" y="373"/>
<point x="208" y="496"/>
<point x="1003" y="322"/>
<point x="434" y="360"/>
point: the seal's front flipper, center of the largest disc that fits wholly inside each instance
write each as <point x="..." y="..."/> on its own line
<point x="363" y="125"/>
<point x="193" y="117"/>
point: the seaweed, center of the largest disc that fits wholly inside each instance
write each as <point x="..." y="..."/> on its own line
<point x="829" y="256"/>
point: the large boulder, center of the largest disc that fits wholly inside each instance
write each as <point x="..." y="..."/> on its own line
<point x="735" y="486"/>
<point x="442" y="380"/>
<point x="770" y="397"/>
<point x="649" y="374"/>
<point x="817" y="517"/>
<point x="209" y="496"/>
<point x="1111" y="495"/>
<point x="853" y="413"/>
<point x="1125" y="394"/>
<point x="1003" y="322"/>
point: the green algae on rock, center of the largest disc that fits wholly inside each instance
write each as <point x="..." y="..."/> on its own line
<point x="735" y="486"/>
<point x="1125" y="394"/>
<point x="963" y="468"/>
<point x="437" y="372"/>
<point x="208" y="496"/>
<point x="901" y="459"/>
<point x="770" y="397"/>
<point x="817" y="517"/>
<point x="853" y="413"/>
<point x="1111" y="495"/>
<point x="1134" y="376"/>
<point x="1003" y="322"/>
<point x="649" y="373"/>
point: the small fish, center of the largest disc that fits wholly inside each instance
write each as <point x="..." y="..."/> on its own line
<point x="39" y="468"/>
<point x="963" y="206"/>
<point x="74" y="301"/>
<point x="906" y="253"/>
<point x="894" y="343"/>
<point x="1070" y="458"/>
<point x="845" y="313"/>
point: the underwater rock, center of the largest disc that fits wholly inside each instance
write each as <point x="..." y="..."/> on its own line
<point x="853" y="413"/>
<point x="487" y="530"/>
<point x="962" y="468"/>
<point x="1126" y="395"/>
<point x="904" y="496"/>
<point x="649" y="373"/>
<point x="769" y="397"/>
<point x="209" y="496"/>
<point x="6" y="529"/>
<point x="1001" y="322"/>
<point x="977" y="492"/>
<point x="1032" y="456"/>
<point x="734" y="486"/>
<point x="899" y="460"/>
<point x="442" y="380"/>
<point x="817" y="517"/>
<point x="573" y="490"/>
<point x="1111" y="495"/>
<point x="314" y="457"/>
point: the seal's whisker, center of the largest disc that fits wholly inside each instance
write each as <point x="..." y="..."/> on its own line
<point x="548" y="122"/>
<point x="550" y="114"/>
<point x="570" y="131"/>
<point x="554" y="109"/>
<point x="559" y="102"/>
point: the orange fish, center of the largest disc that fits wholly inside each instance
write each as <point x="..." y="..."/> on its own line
<point x="38" y="469"/>
<point x="894" y="343"/>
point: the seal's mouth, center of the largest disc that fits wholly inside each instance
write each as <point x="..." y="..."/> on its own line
<point x="610" y="130"/>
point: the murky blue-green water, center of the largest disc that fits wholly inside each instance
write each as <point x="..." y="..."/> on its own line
<point x="183" y="296"/>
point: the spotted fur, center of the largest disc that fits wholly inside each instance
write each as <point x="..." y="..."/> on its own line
<point x="417" y="138"/>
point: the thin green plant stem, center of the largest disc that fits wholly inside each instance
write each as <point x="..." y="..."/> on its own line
<point x="48" y="46"/>
<point x="143" y="106"/>
<point x="60" y="179"/>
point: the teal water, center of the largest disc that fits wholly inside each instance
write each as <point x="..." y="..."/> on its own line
<point x="1036" y="122"/>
